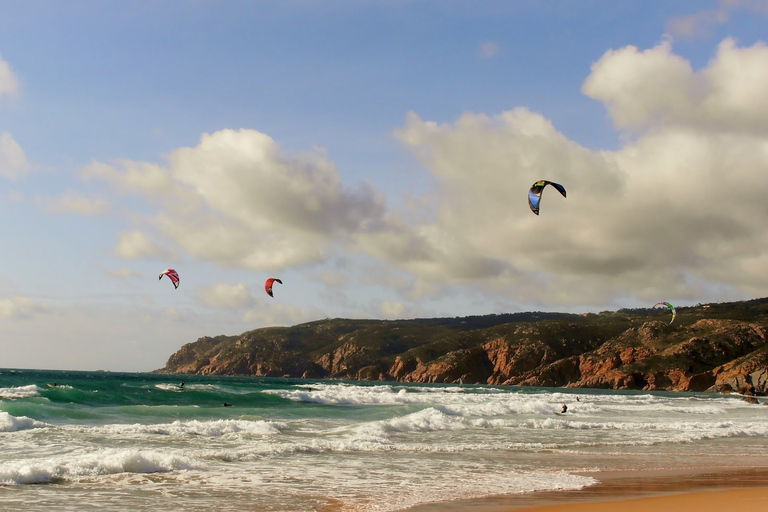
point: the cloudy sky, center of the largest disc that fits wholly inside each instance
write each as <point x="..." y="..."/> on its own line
<point x="373" y="154"/>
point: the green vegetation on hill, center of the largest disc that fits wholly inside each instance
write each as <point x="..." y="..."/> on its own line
<point x="628" y="348"/>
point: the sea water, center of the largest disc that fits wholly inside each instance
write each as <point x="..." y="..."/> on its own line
<point x="133" y="442"/>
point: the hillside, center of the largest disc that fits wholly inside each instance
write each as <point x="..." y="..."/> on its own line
<point x="715" y="347"/>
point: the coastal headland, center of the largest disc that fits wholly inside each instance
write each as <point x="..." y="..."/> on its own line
<point x="718" y="347"/>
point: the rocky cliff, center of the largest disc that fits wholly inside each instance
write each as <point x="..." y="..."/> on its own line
<point x="715" y="347"/>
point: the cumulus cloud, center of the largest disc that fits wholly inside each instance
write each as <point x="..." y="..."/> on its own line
<point x="75" y="202"/>
<point x="657" y="87"/>
<point x="9" y="84"/>
<point x="484" y="166"/>
<point x="226" y="295"/>
<point x="675" y="212"/>
<point x="238" y="199"/>
<point x="21" y="307"/>
<point x="13" y="161"/>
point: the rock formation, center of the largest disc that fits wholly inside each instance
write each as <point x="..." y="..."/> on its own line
<point x="716" y="347"/>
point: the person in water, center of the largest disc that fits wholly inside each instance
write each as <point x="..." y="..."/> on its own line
<point x="181" y="385"/>
<point x="565" y="408"/>
<point x="227" y="405"/>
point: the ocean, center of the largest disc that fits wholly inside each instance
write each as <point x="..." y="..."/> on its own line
<point x="85" y="441"/>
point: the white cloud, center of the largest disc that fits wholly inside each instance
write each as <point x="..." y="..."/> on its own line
<point x="697" y="25"/>
<point x="700" y="24"/>
<point x="135" y="244"/>
<point x="132" y="177"/>
<point x="484" y="167"/>
<point x="237" y="199"/>
<point x="9" y="84"/>
<point x="21" y="307"/>
<point x="657" y="87"/>
<point x="639" y="87"/>
<point x="226" y="295"/>
<point x="75" y="202"/>
<point x="13" y="161"/>
<point x="675" y="212"/>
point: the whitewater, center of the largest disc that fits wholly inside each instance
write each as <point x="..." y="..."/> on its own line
<point x="131" y="441"/>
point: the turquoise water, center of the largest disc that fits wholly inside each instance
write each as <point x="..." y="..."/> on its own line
<point x="127" y="441"/>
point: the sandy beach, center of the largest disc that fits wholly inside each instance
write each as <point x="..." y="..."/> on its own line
<point x="702" y="501"/>
<point x="701" y="489"/>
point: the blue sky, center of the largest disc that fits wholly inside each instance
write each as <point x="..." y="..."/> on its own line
<point x="374" y="155"/>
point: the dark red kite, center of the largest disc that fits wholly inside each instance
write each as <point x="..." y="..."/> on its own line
<point x="269" y="283"/>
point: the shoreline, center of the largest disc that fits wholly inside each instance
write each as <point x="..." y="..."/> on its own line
<point x="715" y="500"/>
<point x="660" y="489"/>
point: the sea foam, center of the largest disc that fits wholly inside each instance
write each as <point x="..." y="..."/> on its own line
<point x="103" y="462"/>
<point x="426" y="420"/>
<point x="19" y="392"/>
<point x="212" y="428"/>
<point x="10" y="423"/>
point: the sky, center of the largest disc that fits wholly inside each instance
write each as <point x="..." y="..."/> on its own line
<point x="375" y="155"/>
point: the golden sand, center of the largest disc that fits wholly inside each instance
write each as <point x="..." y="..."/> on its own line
<point x="678" y="490"/>
<point x="674" y="490"/>
<point x="702" y="501"/>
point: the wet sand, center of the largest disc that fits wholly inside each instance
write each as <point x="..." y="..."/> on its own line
<point x="675" y="490"/>
<point x="700" y="501"/>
